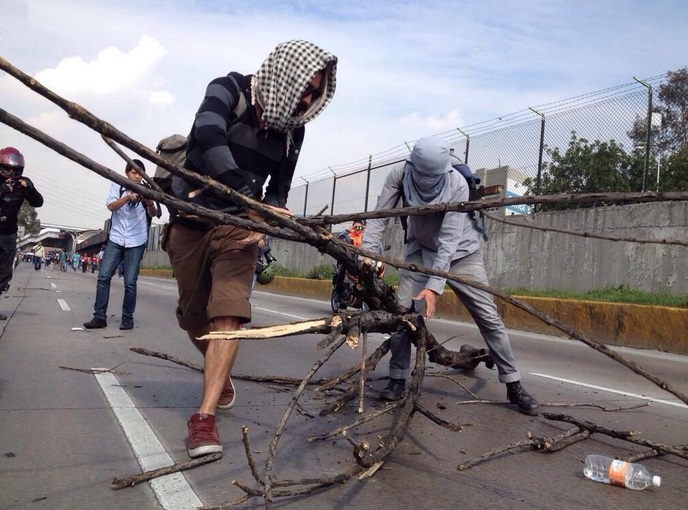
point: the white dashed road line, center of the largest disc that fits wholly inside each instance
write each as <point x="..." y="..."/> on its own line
<point x="611" y="390"/>
<point x="63" y="304"/>
<point x="173" y="491"/>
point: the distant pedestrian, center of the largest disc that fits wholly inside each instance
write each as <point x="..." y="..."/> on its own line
<point x="38" y="254"/>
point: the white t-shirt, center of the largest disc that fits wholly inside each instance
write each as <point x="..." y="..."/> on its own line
<point x="129" y="225"/>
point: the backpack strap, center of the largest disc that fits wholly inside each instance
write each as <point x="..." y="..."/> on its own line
<point x="479" y="228"/>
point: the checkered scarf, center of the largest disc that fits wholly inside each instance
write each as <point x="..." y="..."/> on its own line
<point x="282" y="79"/>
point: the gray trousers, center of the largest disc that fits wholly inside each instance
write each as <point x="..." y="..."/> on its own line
<point x="478" y="303"/>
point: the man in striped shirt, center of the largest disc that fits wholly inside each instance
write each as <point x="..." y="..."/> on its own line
<point x="247" y="132"/>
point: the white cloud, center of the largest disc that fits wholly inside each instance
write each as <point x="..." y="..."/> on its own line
<point x="161" y="97"/>
<point x="113" y="71"/>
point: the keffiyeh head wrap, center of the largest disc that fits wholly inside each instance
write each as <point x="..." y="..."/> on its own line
<point x="425" y="175"/>
<point x="282" y="79"/>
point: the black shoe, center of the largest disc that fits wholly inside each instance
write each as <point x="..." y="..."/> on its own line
<point x="395" y="390"/>
<point x="525" y="402"/>
<point x="95" y="323"/>
<point x="126" y="325"/>
<point x="3" y="317"/>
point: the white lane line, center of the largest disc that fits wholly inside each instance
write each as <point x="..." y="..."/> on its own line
<point x="611" y="390"/>
<point x="53" y="285"/>
<point x="63" y="304"/>
<point x="280" y="313"/>
<point x="173" y="491"/>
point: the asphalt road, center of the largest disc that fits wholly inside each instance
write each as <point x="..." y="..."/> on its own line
<point x="65" y="433"/>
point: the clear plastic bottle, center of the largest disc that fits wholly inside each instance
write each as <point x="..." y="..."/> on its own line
<point x="618" y="472"/>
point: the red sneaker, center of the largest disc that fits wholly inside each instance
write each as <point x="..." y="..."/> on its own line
<point x="228" y="396"/>
<point x="203" y="436"/>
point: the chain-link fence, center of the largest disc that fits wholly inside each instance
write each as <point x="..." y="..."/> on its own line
<point x="512" y="151"/>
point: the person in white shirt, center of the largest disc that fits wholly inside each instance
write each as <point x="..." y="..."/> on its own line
<point x="126" y="243"/>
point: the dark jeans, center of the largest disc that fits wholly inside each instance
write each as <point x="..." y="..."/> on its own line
<point x="8" y="248"/>
<point x="37" y="261"/>
<point x="112" y="256"/>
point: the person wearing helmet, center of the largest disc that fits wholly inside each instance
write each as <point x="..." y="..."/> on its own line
<point x="255" y="153"/>
<point x="14" y="190"/>
<point x="352" y="235"/>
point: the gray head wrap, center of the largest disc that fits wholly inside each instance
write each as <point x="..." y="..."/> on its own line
<point x="425" y="175"/>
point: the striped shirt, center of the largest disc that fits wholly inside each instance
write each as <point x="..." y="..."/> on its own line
<point x="228" y="146"/>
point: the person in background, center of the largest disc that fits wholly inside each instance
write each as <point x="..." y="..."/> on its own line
<point x="38" y="254"/>
<point x="445" y="242"/>
<point x="15" y="188"/>
<point x="126" y="243"/>
<point x="214" y="264"/>
<point x="63" y="261"/>
<point x="352" y="235"/>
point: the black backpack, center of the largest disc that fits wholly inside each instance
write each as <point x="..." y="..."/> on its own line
<point x="173" y="148"/>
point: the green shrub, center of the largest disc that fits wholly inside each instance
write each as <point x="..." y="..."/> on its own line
<point x="321" y="272"/>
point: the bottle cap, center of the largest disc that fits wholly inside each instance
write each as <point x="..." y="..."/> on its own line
<point x="656" y="481"/>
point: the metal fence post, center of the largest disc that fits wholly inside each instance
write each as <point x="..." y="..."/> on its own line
<point x="649" y="129"/>
<point x="540" y="152"/>
<point x="370" y="164"/>
<point x="468" y="143"/>
<point x="305" y="198"/>
<point x="334" y="189"/>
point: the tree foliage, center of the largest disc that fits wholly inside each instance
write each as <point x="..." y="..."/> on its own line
<point x="668" y="140"/>
<point x="587" y="167"/>
<point x="28" y="218"/>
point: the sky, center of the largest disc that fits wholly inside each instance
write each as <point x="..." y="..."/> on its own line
<point x="406" y="69"/>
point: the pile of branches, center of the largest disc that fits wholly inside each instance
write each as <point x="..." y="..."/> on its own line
<point x="385" y="315"/>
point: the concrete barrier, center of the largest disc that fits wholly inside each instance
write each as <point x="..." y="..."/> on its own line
<point x="639" y="326"/>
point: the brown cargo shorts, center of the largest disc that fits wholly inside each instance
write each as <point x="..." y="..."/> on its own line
<point x="214" y="271"/>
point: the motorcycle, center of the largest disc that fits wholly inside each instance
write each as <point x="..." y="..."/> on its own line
<point x="343" y="295"/>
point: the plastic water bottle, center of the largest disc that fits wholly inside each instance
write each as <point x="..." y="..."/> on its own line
<point x="619" y="472"/>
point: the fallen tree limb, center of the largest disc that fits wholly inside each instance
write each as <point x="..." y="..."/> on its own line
<point x="625" y="435"/>
<point x="130" y="481"/>
<point x="548" y="444"/>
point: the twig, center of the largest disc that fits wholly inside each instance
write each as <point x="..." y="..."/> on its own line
<point x="454" y="427"/>
<point x="94" y="370"/>
<point x="249" y="455"/>
<point x="130" y="481"/>
<point x="598" y="406"/>
<point x="361" y="381"/>
<point x="445" y="376"/>
<point x="360" y="421"/>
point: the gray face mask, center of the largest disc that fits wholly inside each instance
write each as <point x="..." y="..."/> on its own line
<point x="425" y="175"/>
